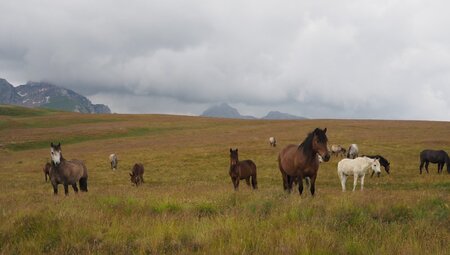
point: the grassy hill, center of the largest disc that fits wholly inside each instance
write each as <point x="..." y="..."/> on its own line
<point x="187" y="203"/>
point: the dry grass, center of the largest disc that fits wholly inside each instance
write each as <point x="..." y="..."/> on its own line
<point x="188" y="205"/>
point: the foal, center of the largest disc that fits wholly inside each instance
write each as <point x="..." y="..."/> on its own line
<point x="240" y="170"/>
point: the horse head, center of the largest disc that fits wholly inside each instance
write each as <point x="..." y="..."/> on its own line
<point x="375" y="165"/>
<point x="55" y="153"/>
<point x="319" y="143"/>
<point x="234" y="157"/>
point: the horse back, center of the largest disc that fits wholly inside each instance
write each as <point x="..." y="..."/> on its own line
<point x="434" y="156"/>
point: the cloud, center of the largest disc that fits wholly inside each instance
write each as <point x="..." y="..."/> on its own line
<point x="346" y="59"/>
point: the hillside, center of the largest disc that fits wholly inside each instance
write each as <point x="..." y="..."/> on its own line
<point x="46" y="95"/>
<point x="187" y="203"/>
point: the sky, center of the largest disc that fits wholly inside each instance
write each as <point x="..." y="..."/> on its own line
<point x="319" y="59"/>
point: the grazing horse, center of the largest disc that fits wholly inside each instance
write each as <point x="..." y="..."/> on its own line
<point x="137" y="174"/>
<point x="66" y="172"/>
<point x="337" y="150"/>
<point x="113" y="161"/>
<point x="352" y="151"/>
<point x="273" y="141"/>
<point x="439" y="157"/>
<point x="383" y="162"/>
<point x="240" y="170"/>
<point x="357" y="167"/>
<point x="46" y="170"/>
<point x="297" y="162"/>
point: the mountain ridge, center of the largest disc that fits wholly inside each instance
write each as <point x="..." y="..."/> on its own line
<point x="47" y="95"/>
<point x="224" y="110"/>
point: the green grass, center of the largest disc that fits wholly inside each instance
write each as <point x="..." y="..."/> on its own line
<point x="17" y="111"/>
<point x="187" y="204"/>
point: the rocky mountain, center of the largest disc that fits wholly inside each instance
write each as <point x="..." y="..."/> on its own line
<point x="276" y="115"/>
<point x="224" y="111"/>
<point x="42" y="94"/>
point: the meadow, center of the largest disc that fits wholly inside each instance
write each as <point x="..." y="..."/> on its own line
<point x="187" y="203"/>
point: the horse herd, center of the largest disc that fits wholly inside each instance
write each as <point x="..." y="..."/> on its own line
<point x="296" y="163"/>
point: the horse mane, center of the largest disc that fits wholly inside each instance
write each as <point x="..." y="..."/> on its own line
<point x="383" y="161"/>
<point x="306" y="145"/>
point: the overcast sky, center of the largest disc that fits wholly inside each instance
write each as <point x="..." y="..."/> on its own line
<point x="319" y="59"/>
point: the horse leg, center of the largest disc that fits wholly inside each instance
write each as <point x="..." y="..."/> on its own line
<point x="300" y="185"/>
<point x="312" y="185"/>
<point x="75" y="188"/>
<point x="355" y="181"/>
<point x="55" y="188"/>
<point x="247" y="180"/>
<point x="373" y="172"/>
<point x="362" y="182"/>
<point x="426" y="166"/>
<point x="421" y="166"/>
<point x="343" y="178"/>
<point x="440" y="166"/>
<point x="290" y="180"/>
<point x="66" y="189"/>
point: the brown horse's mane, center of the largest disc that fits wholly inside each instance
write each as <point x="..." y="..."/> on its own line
<point x="306" y="146"/>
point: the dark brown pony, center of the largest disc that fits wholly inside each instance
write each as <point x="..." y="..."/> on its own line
<point x="297" y="162"/>
<point x="137" y="174"/>
<point x="66" y="172"/>
<point x="46" y="170"/>
<point x="240" y="170"/>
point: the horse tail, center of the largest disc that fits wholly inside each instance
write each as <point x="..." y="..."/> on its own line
<point x="448" y="164"/>
<point x="83" y="184"/>
<point x="254" y="180"/>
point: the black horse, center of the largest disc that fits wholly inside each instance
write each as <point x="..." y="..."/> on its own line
<point x="383" y="162"/>
<point x="439" y="157"/>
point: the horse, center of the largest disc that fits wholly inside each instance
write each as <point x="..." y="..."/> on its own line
<point x="272" y="141"/>
<point x="66" y="172"/>
<point x="352" y="151"/>
<point x="113" y="161"/>
<point x="137" y="174"/>
<point x="46" y="170"/>
<point x="439" y="157"/>
<point x="357" y="167"/>
<point x="301" y="161"/>
<point x="383" y="162"/>
<point x="240" y="170"/>
<point x="337" y="150"/>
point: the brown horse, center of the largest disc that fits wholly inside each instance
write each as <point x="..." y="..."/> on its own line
<point x="137" y="174"/>
<point x="46" y="170"/>
<point x="66" y="172"/>
<point x="240" y="170"/>
<point x="301" y="161"/>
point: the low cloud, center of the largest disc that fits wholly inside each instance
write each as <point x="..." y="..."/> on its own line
<point x="346" y="59"/>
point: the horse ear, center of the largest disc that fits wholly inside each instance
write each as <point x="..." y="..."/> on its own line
<point x="51" y="144"/>
<point x="59" y="144"/>
<point x="325" y="130"/>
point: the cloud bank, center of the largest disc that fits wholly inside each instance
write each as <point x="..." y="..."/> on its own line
<point x="320" y="59"/>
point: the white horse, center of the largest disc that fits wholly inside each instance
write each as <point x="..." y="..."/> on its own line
<point x="113" y="161"/>
<point x="353" y="151"/>
<point x="357" y="167"/>
<point x="272" y="141"/>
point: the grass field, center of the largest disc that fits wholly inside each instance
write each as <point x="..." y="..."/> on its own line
<point x="187" y="203"/>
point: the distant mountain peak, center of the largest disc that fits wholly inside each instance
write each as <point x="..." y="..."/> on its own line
<point x="276" y="115"/>
<point x="44" y="94"/>
<point x="224" y="110"/>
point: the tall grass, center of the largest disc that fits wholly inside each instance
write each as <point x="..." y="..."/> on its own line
<point x="187" y="204"/>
